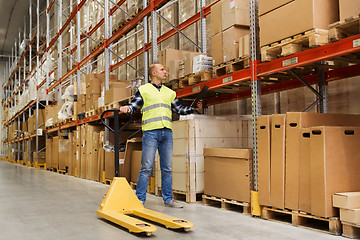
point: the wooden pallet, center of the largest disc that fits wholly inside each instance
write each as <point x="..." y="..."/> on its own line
<point x="326" y="225"/>
<point x="231" y="66"/>
<point x="90" y="113"/>
<point x="294" y="44"/>
<point x="52" y="169"/>
<point x="226" y="204"/>
<point x="343" y="29"/>
<point x="182" y="196"/>
<point x="195" y="78"/>
<point x="66" y="121"/>
<point x="117" y="104"/>
<point x="350" y="230"/>
<point x="62" y="172"/>
<point x="108" y="181"/>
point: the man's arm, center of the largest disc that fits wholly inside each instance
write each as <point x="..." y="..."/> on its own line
<point x="180" y="109"/>
<point x="135" y="103"/>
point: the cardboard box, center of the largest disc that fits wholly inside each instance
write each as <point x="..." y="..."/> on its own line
<point x="117" y="92"/>
<point x="294" y="122"/>
<point x="228" y="173"/>
<point x="110" y="164"/>
<point x="134" y="144"/>
<point x="71" y="154"/>
<point x="230" y="41"/>
<point x="277" y="174"/>
<point x="83" y="163"/>
<point x="235" y="13"/>
<point x="54" y="153"/>
<point x="304" y="171"/>
<point x="135" y="165"/>
<point x="348" y="200"/>
<point x="267" y="6"/>
<point x="167" y="55"/>
<point x="92" y="143"/>
<point x="350" y="216"/>
<point x="41" y="157"/>
<point x="30" y="122"/>
<point x="91" y="101"/>
<point x="95" y="80"/>
<point x="217" y="48"/>
<point x="51" y="112"/>
<point x="328" y="174"/>
<point x="216" y="18"/>
<point x="64" y="147"/>
<point x="348" y="8"/>
<point x="188" y="62"/>
<point x="48" y="152"/>
<point x="244" y="46"/>
<point x="284" y="21"/>
<point x="174" y="69"/>
<point x="264" y="159"/>
<point x="77" y="165"/>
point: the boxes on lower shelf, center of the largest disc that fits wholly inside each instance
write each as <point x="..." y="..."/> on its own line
<point x="228" y="173"/>
<point x="191" y="136"/>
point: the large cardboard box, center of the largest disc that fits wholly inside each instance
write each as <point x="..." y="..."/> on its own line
<point x="277" y="174"/>
<point x="71" y="154"/>
<point x="335" y="163"/>
<point x="264" y="159"/>
<point x="91" y="101"/>
<point x="92" y="143"/>
<point x="135" y="165"/>
<point x="55" y="153"/>
<point x="216" y="18"/>
<point x="83" y="163"/>
<point x="235" y="13"/>
<point x="188" y="62"/>
<point x="294" y="122"/>
<point x="267" y="6"/>
<point x="48" y="152"/>
<point x="244" y="46"/>
<point x="228" y="173"/>
<point x="77" y="164"/>
<point x="174" y="69"/>
<point x="134" y="144"/>
<point x="51" y="112"/>
<point x="30" y="122"/>
<point x="217" y="48"/>
<point x="350" y="215"/>
<point x="347" y="200"/>
<point x="110" y="164"/>
<point x="117" y="92"/>
<point x="93" y="82"/>
<point x="64" y="147"/>
<point x="230" y="41"/>
<point x="304" y="171"/>
<point x="348" y="8"/>
<point x="167" y="55"/>
<point x="284" y="21"/>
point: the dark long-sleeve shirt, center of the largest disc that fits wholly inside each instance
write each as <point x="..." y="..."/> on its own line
<point x="138" y="102"/>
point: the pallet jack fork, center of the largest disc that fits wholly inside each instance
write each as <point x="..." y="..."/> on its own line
<point x="120" y="201"/>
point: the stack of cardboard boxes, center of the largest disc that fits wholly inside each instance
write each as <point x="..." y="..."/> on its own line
<point x="230" y="22"/>
<point x="300" y="165"/>
<point x="280" y="19"/>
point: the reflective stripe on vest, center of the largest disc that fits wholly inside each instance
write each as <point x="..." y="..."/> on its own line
<point x="156" y="119"/>
<point x="157" y="105"/>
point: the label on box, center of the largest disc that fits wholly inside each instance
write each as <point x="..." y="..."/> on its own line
<point x="232" y="4"/>
<point x="39" y="132"/>
<point x="356" y="43"/>
<point x="121" y="160"/>
<point x="290" y="61"/>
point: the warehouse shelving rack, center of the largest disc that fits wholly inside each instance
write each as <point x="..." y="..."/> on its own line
<point x="250" y="82"/>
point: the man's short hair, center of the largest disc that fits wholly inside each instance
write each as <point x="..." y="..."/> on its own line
<point x="151" y="69"/>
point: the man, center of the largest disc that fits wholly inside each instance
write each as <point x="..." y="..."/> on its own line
<point x="156" y="102"/>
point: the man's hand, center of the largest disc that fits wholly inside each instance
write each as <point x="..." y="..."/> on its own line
<point x="125" y="109"/>
<point x="198" y="105"/>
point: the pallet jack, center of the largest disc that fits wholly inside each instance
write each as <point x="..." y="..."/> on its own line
<point x="120" y="201"/>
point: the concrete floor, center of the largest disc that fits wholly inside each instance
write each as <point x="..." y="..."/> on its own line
<point x="37" y="204"/>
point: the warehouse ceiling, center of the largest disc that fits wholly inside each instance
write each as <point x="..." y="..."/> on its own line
<point x="13" y="14"/>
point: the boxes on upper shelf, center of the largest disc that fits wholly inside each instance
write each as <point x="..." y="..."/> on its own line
<point x="235" y="13"/>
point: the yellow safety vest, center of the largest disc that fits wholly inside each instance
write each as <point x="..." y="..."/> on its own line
<point x="156" y="111"/>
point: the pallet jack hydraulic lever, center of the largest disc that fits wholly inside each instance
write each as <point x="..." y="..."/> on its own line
<point x="121" y="201"/>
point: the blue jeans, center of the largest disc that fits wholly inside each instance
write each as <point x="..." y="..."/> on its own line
<point x="162" y="140"/>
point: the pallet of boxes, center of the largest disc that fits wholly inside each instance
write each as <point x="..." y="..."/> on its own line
<point x="193" y="165"/>
<point x="186" y="68"/>
<point x="303" y="159"/>
<point x="280" y="31"/>
<point x="230" y="22"/>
